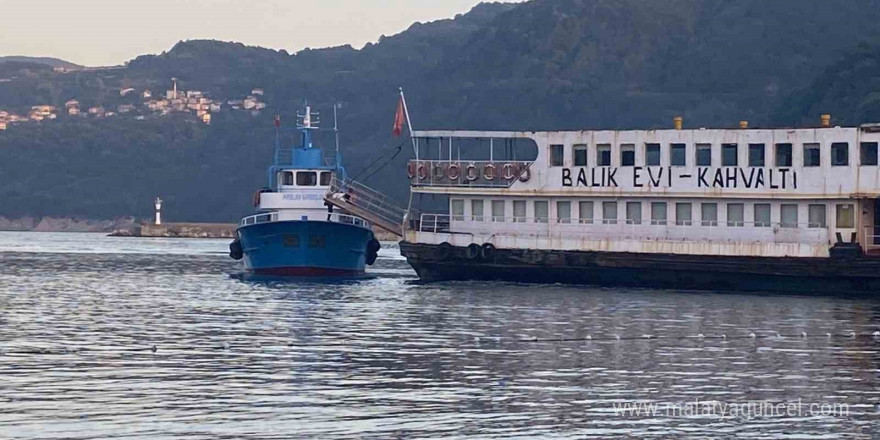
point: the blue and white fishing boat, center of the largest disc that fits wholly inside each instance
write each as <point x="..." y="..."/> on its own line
<point x="294" y="231"/>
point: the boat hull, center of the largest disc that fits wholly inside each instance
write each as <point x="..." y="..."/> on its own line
<point x="690" y="272"/>
<point x="304" y="248"/>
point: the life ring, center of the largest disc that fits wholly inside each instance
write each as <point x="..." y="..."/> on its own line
<point x="439" y="172"/>
<point x="454" y="171"/>
<point x="525" y="174"/>
<point x="444" y="251"/>
<point x="508" y="171"/>
<point x="411" y="170"/>
<point x="422" y="171"/>
<point x="489" y="172"/>
<point x="472" y="251"/>
<point x="487" y="251"/>
<point x="471" y="172"/>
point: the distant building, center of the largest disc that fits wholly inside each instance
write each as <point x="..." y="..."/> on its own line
<point x="147" y="94"/>
<point x="257" y="92"/>
<point x="206" y="118"/>
<point x="2" y="125"/>
<point x="215" y="107"/>
<point x="193" y="94"/>
<point x="98" y="112"/>
<point x="73" y="111"/>
<point x="126" y="91"/>
<point x="71" y="103"/>
<point x="249" y="103"/>
<point x="124" y="108"/>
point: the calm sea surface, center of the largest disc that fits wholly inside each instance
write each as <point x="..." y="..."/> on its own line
<point x="386" y="357"/>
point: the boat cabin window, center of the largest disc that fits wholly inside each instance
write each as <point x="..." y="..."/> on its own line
<point x="519" y="211"/>
<point x="762" y="215"/>
<point x="846" y="218"/>
<point x="735" y="214"/>
<point x="627" y="155"/>
<point x="869" y="153"/>
<point x="477" y="210"/>
<point x="287" y="177"/>
<point x="678" y="155"/>
<point x="812" y="158"/>
<point x="541" y="211"/>
<point x="563" y="212"/>
<point x="307" y="178"/>
<point x="585" y="213"/>
<point x="756" y="155"/>
<point x="683" y="214"/>
<point x="839" y="154"/>
<point x="658" y="213"/>
<point x="789" y="216"/>
<point x="603" y="155"/>
<point x="457" y="209"/>
<point x="497" y="210"/>
<point x="709" y="214"/>
<point x="704" y="155"/>
<point x="325" y="178"/>
<point x="633" y="213"/>
<point x="556" y="156"/>
<point x="652" y="155"/>
<point x="580" y="155"/>
<point x="729" y="155"/>
<point x="783" y="155"/>
<point x="609" y="213"/>
<point x="817" y="216"/>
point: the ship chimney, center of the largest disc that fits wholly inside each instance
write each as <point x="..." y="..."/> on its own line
<point x="677" y="121"/>
<point x="744" y="124"/>
<point x="826" y="120"/>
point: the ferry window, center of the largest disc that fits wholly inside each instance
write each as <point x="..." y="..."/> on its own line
<point x="585" y="212"/>
<point x="762" y="215"/>
<point x="633" y="213"/>
<point x="658" y="213"/>
<point x="683" y="214"/>
<point x="704" y="155"/>
<point x="709" y="214"/>
<point x="609" y="213"/>
<point x="290" y="240"/>
<point x="519" y="211"/>
<point x="287" y="178"/>
<point x="678" y="155"/>
<point x="839" y="154"/>
<point x="627" y="155"/>
<point x="477" y="210"/>
<point x="603" y="155"/>
<point x="783" y="155"/>
<point x="563" y="212"/>
<point x="869" y="153"/>
<point x="317" y="241"/>
<point x="325" y="178"/>
<point x="457" y="210"/>
<point x="811" y="155"/>
<point x="652" y="154"/>
<point x="729" y="155"/>
<point x="556" y="156"/>
<point x="756" y="155"/>
<point x="541" y="211"/>
<point x="580" y="155"/>
<point x="817" y="216"/>
<point x="735" y="214"/>
<point x="789" y="216"/>
<point x="497" y="210"/>
<point x="306" y="178"/>
<point x="846" y="218"/>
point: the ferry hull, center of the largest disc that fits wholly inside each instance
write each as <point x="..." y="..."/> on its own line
<point x="826" y="276"/>
<point x="304" y="248"/>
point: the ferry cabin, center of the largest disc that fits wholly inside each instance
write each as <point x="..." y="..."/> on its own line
<point x="727" y="192"/>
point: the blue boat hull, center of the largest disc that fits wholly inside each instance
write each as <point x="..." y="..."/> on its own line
<point x="305" y="248"/>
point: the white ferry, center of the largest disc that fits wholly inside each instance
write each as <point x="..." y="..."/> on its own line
<point x="785" y="209"/>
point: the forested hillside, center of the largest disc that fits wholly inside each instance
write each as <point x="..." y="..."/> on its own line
<point x="543" y="64"/>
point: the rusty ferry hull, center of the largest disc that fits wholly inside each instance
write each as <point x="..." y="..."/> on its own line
<point x="801" y="275"/>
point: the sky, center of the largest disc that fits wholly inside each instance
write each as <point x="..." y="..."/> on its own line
<point x="111" y="32"/>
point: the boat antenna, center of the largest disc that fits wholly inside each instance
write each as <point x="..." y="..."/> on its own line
<point x="408" y="122"/>
<point x="335" y="126"/>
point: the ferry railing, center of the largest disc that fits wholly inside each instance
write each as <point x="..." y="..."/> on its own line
<point x="870" y="240"/>
<point x="264" y="217"/>
<point x="284" y="157"/>
<point x="668" y="230"/>
<point x="470" y="174"/>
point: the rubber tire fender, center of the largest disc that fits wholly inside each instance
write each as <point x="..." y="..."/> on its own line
<point x="487" y="251"/>
<point x="472" y="251"/>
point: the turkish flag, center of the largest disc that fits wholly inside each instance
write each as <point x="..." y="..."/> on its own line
<point x="399" y="119"/>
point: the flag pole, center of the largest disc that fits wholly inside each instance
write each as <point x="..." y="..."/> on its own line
<point x="409" y="123"/>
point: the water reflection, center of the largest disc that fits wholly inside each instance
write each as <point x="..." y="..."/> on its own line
<point x="387" y="357"/>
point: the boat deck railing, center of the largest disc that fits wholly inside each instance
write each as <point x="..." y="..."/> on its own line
<point x="284" y="157"/>
<point x="871" y="241"/>
<point x="357" y="198"/>
<point x="268" y="217"/>
<point x="601" y="229"/>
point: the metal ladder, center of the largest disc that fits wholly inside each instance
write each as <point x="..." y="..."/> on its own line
<point x="367" y="203"/>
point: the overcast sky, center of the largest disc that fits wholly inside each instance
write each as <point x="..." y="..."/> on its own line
<point x="109" y="32"/>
